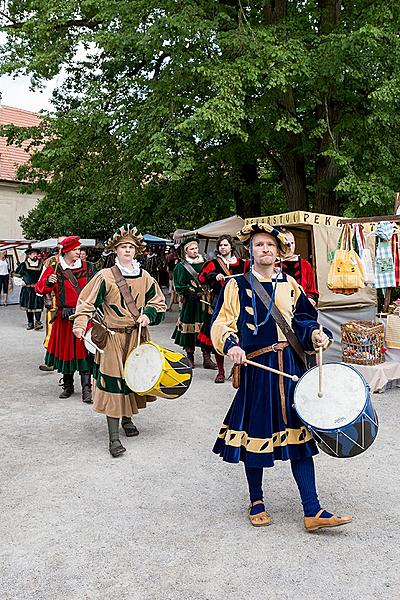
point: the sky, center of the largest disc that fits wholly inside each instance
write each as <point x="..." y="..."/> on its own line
<point x="16" y="92"/>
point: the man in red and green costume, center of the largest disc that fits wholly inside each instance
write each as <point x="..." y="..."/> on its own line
<point x="66" y="353"/>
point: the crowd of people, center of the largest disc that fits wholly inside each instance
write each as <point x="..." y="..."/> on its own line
<point x="226" y="305"/>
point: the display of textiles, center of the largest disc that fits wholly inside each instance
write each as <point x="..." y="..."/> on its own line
<point x="384" y="263"/>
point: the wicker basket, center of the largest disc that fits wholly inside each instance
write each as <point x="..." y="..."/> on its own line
<point x="363" y="342"/>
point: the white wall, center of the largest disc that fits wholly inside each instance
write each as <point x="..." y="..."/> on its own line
<point x="13" y="204"/>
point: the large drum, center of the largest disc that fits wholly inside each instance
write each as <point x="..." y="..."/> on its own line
<point x="343" y="421"/>
<point x="153" y="370"/>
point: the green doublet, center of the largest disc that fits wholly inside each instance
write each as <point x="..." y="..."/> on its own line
<point x="193" y="311"/>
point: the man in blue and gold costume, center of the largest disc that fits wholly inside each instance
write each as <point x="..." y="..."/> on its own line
<point x="261" y="425"/>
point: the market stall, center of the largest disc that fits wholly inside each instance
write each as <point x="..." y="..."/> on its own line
<point x="317" y="238"/>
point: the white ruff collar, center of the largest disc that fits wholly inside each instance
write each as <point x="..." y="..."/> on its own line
<point x="132" y="272"/>
<point x="77" y="264"/>
<point x="194" y="261"/>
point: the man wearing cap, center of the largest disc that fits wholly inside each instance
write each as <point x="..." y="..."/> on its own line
<point x="194" y="306"/>
<point x="261" y="425"/>
<point x="123" y="313"/>
<point x="66" y="279"/>
<point x="29" y="301"/>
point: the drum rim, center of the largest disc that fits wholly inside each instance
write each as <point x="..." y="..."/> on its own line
<point x="146" y="392"/>
<point x="368" y="396"/>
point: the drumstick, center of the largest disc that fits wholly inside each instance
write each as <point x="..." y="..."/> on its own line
<point x="205" y="302"/>
<point x="255" y="364"/>
<point x="93" y="344"/>
<point x="237" y="275"/>
<point x="139" y="333"/>
<point x="320" y="351"/>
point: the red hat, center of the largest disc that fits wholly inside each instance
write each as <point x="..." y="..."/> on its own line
<point x="70" y="243"/>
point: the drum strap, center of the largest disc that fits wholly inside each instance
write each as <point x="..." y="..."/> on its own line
<point x="125" y="292"/>
<point x="190" y="270"/>
<point x="278" y="318"/>
<point x="223" y="266"/>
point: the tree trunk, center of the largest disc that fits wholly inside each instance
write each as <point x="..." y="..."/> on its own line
<point x="247" y="194"/>
<point x="289" y="146"/>
<point x="293" y="172"/>
<point x="326" y="171"/>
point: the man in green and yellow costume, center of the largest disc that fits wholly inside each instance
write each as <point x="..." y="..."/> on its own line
<point x="111" y="395"/>
<point x="194" y="306"/>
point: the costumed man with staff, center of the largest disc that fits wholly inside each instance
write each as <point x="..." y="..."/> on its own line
<point x="50" y="301"/>
<point x="130" y="300"/>
<point x="261" y="426"/>
<point x="29" y="271"/>
<point x="194" y="305"/>
<point x="213" y="275"/>
<point x="66" y="279"/>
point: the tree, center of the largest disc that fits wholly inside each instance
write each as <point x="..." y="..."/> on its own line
<point x="173" y="112"/>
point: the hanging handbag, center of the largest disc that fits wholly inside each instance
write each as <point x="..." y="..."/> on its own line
<point x="346" y="272"/>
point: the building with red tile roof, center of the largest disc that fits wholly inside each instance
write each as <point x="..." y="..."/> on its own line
<point x="13" y="204"/>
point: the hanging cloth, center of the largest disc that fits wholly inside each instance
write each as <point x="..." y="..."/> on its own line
<point x="365" y="256"/>
<point x="384" y="263"/>
<point x="395" y="241"/>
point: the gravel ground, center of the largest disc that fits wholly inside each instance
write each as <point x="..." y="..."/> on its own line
<point x="168" y="519"/>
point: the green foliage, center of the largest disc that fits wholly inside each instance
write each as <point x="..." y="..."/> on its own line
<point x="167" y="109"/>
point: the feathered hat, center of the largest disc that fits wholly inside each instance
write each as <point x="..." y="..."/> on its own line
<point x="247" y="232"/>
<point x="124" y="234"/>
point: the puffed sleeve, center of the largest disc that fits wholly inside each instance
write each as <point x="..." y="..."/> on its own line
<point x="43" y="286"/>
<point x="91" y="297"/>
<point x="224" y="330"/>
<point x="155" y="305"/>
<point x="184" y="284"/>
<point x="208" y="273"/>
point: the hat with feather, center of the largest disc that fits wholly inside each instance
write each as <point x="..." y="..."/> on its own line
<point x="127" y="233"/>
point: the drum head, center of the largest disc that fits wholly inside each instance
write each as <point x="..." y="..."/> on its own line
<point x="143" y="368"/>
<point x="344" y="396"/>
<point x="88" y="342"/>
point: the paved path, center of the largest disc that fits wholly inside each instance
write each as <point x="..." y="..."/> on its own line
<point x="167" y="521"/>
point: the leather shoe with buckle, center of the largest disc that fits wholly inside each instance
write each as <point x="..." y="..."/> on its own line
<point x="317" y="522"/>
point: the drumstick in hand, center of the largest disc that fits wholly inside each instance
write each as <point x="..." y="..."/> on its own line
<point x="270" y="369"/>
<point x="320" y="351"/>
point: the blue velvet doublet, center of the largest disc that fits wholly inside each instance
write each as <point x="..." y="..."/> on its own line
<point x="254" y="430"/>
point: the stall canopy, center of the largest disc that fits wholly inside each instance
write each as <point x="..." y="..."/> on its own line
<point x="155" y="240"/>
<point x="230" y="226"/>
<point x="52" y="243"/>
<point x="317" y="236"/>
<point x="17" y="244"/>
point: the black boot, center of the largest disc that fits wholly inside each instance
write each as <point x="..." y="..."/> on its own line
<point x="207" y="361"/>
<point x="190" y="355"/>
<point x="129" y="427"/>
<point x="67" y="383"/>
<point x="115" y="447"/>
<point x="86" y="383"/>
